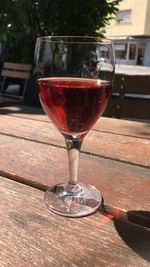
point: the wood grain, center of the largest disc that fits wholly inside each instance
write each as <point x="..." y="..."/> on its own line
<point x="30" y="235"/>
<point x="15" y="74"/>
<point x="17" y="66"/>
<point x="41" y="165"/>
<point x="103" y="144"/>
<point x="116" y="126"/>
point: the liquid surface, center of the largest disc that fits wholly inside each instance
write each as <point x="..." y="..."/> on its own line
<point x="73" y="104"/>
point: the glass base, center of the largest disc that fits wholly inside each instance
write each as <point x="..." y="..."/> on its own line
<point x="73" y="200"/>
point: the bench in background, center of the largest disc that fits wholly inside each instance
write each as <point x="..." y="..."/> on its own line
<point x="131" y="95"/>
<point x="14" y="78"/>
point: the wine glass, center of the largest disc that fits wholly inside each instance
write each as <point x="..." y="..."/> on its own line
<point x="74" y="80"/>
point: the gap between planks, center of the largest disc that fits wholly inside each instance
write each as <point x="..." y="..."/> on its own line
<point x="93" y="129"/>
<point x="114" y="213"/>
<point x="82" y="151"/>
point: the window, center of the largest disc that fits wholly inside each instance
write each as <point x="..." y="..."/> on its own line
<point x="132" y="51"/>
<point x="103" y="52"/>
<point x="120" y="50"/>
<point x="123" y="16"/>
<point x="140" y="56"/>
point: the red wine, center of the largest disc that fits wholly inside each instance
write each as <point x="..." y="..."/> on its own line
<point x="73" y="104"/>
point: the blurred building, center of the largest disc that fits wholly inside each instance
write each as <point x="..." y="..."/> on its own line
<point x="130" y="31"/>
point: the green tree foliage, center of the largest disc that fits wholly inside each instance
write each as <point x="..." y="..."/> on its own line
<point x="21" y="21"/>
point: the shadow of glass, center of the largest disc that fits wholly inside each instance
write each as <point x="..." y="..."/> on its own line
<point x="139" y="217"/>
<point x="133" y="227"/>
<point x="135" y="236"/>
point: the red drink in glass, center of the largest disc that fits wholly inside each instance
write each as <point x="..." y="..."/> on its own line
<point x="73" y="104"/>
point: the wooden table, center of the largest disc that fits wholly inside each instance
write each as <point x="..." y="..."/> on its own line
<point x="115" y="158"/>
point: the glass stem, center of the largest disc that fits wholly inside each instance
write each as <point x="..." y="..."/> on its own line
<point x="73" y="149"/>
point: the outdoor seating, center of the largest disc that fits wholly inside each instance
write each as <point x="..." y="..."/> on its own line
<point x="14" y="78"/>
<point x="131" y="95"/>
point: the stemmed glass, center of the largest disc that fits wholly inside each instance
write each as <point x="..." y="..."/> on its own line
<point x="74" y="80"/>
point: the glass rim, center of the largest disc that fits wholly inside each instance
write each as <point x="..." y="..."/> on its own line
<point x="87" y="39"/>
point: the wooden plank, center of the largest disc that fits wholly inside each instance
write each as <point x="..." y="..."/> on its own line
<point x="8" y="100"/>
<point x="17" y="66"/>
<point x="15" y="74"/>
<point x="123" y="185"/>
<point x="132" y="84"/>
<point x="130" y="97"/>
<point x="103" y="144"/>
<point x="25" y="112"/>
<point x="136" y="108"/>
<point x="128" y="108"/>
<point x="123" y="127"/>
<point x="33" y="236"/>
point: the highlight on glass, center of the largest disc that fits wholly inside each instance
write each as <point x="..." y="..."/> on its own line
<point x="74" y="81"/>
